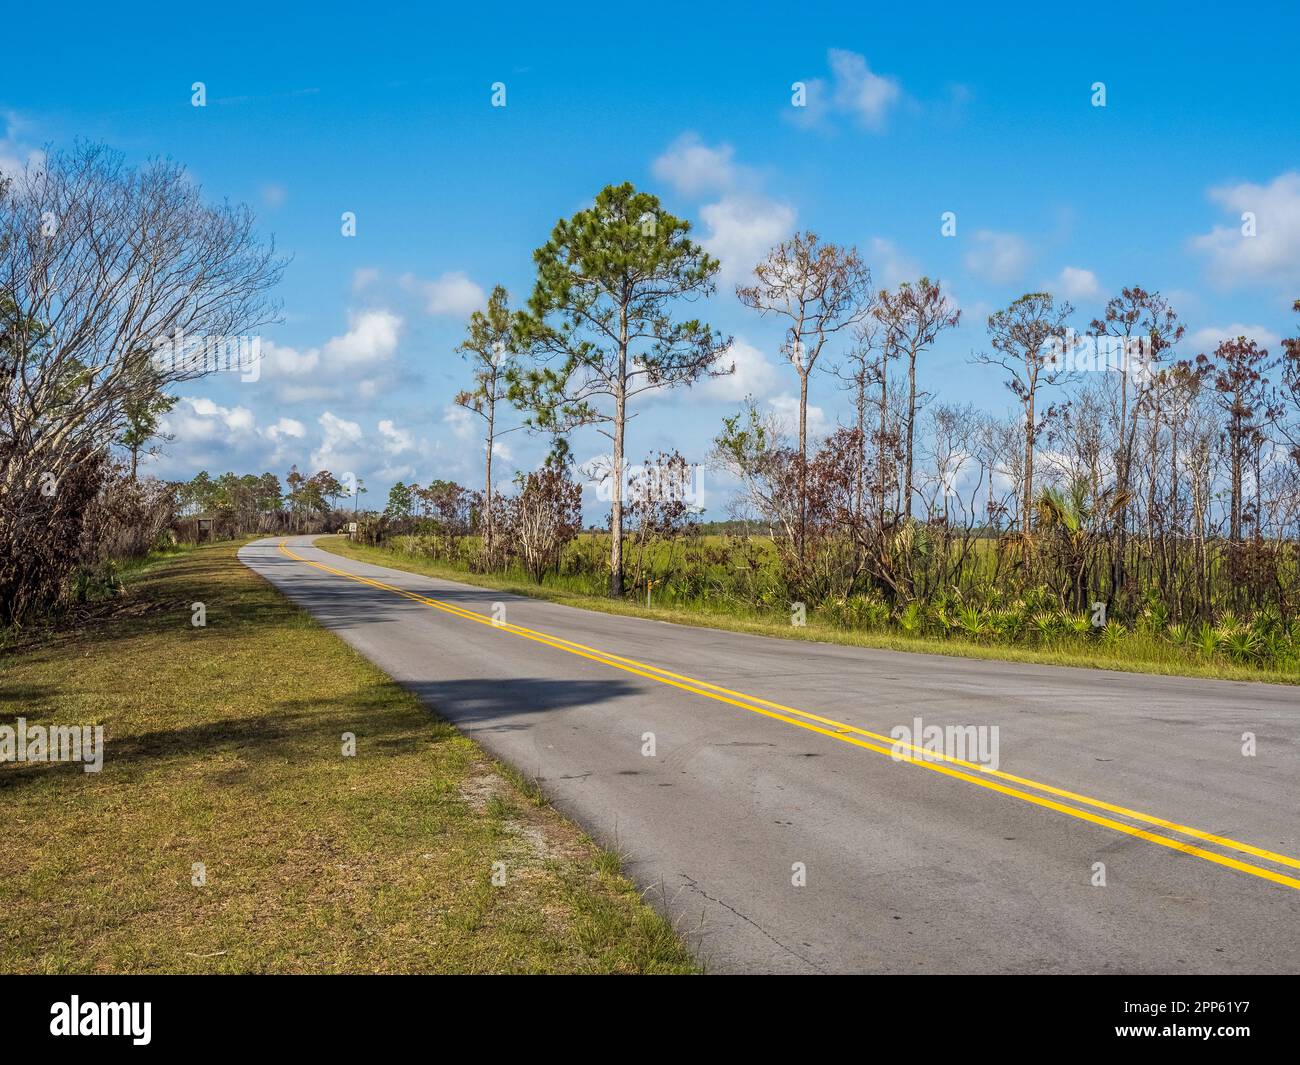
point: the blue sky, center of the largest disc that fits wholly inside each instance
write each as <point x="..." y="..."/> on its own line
<point x="914" y="110"/>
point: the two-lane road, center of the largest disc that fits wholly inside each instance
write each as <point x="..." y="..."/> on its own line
<point x="773" y="825"/>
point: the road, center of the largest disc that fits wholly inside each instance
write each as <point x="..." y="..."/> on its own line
<point x="779" y="828"/>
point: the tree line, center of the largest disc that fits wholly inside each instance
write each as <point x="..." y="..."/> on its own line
<point x="1170" y="487"/>
<point x="1158" y="487"/>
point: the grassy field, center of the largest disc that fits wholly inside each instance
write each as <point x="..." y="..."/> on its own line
<point x="1138" y="653"/>
<point x="224" y="746"/>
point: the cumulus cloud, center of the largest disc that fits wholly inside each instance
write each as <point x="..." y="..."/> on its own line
<point x="395" y="440"/>
<point x="286" y="427"/>
<point x="458" y="420"/>
<point x="355" y="363"/>
<point x="196" y="419"/>
<point x="15" y="154"/>
<point x="1075" y="283"/>
<point x="753" y="375"/>
<point x="861" y="92"/>
<point x="1232" y="257"/>
<point x="450" y="293"/>
<point x="742" y="225"/>
<point x="363" y="277"/>
<point x="371" y="338"/>
<point x="1207" y="339"/>
<point x="742" y="229"/>
<point x="890" y="267"/>
<point x="786" y="410"/>
<point x="855" y="91"/>
<point x="339" y="447"/>
<point x="998" y="257"/>
<point x="695" y="169"/>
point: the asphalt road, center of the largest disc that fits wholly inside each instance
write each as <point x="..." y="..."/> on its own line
<point x="782" y="842"/>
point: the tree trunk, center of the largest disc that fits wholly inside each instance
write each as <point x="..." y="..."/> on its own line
<point x="803" y="458"/>
<point x="616" y="503"/>
<point x="911" y="421"/>
<point x="488" y="556"/>
<point x="1027" y="518"/>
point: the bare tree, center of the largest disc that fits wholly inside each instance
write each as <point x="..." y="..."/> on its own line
<point x="913" y="317"/>
<point x="101" y="265"/>
<point x="1137" y="320"/>
<point x="1019" y="336"/>
<point x="819" y="289"/>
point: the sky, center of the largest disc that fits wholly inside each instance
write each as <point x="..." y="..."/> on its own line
<point x="911" y="111"/>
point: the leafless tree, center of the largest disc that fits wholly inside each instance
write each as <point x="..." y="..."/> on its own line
<point x="818" y="289"/>
<point x="101" y="266"/>
<point x="1019" y="336"/>
<point x="913" y="316"/>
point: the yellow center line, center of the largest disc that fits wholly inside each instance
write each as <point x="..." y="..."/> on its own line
<point x="845" y="733"/>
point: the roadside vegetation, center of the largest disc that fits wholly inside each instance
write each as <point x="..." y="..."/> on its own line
<point x="224" y="746"/>
<point x="1137" y="503"/>
<point x="1142" y="516"/>
<point x="1050" y="639"/>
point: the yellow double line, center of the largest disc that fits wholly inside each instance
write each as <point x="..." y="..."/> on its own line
<point x="837" y="730"/>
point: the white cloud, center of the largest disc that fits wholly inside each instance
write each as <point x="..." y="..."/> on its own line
<point x="363" y="277"/>
<point x="196" y="419"/>
<point x="1207" y="339"/>
<point x="15" y="155"/>
<point x="890" y="267"/>
<point x="286" y="427"/>
<point x="450" y="293"/>
<point x="742" y="229"/>
<point x="1075" y="283"/>
<point x="280" y="361"/>
<point x="339" y="445"/>
<point x="353" y="364"/>
<point x="274" y="195"/>
<point x="754" y="376"/>
<point x="371" y="338"/>
<point x="1271" y="254"/>
<point x="866" y="95"/>
<point x="458" y="420"/>
<point x="855" y="91"/>
<point x="743" y="224"/>
<point x="786" y="410"/>
<point x="695" y="169"/>
<point x="395" y="440"/>
<point x="998" y="257"/>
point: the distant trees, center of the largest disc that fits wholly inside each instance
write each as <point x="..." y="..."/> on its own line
<point x="399" y="501"/>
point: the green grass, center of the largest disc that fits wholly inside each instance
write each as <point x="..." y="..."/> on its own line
<point x="1138" y="652"/>
<point x="223" y="745"/>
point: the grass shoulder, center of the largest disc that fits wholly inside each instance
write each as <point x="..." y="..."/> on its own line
<point x="1140" y="654"/>
<point x="224" y="762"/>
